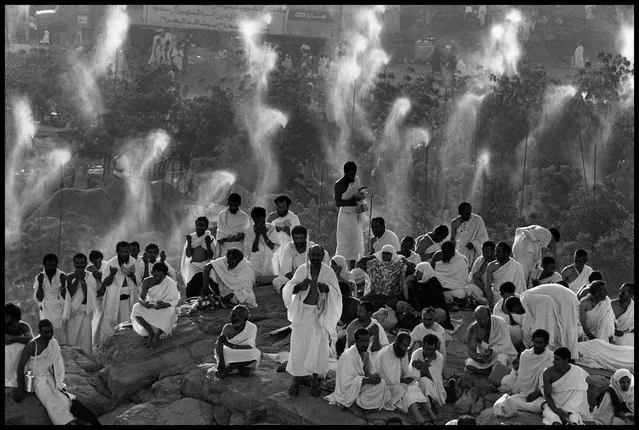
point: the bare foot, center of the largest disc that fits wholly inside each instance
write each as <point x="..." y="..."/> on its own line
<point x="153" y="342"/>
<point x="145" y="342"/>
<point x="222" y="373"/>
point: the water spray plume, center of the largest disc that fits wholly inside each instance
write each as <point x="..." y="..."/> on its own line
<point x="628" y="42"/>
<point x="60" y="156"/>
<point x="503" y="50"/>
<point x="514" y="16"/>
<point x="116" y="26"/>
<point x="497" y="31"/>
<point x="25" y="125"/>
<point x="268" y="19"/>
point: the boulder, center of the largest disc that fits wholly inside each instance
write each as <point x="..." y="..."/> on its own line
<point x="109" y="418"/>
<point x="83" y="380"/>
<point x="487" y="418"/>
<point x="28" y="412"/>
<point x="129" y="367"/>
<point x="180" y="412"/>
<point x="308" y="410"/>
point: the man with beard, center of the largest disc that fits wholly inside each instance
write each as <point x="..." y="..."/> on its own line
<point x="80" y="302"/>
<point x="46" y="291"/>
<point x="350" y="237"/>
<point x="427" y="327"/>
<point x="232" y="225"/>
<point x="235" y="346"/>
<point x="524" y="393"/>
<point x="503" y="269"/>
<point x="624" y="309"/>
<point x="478" y="271"/>
<point x="451" y="269"/>
<point x="284" y="221"/>
<point x="134" y="248"/>
<point x="312" y="319"/>
<point x="468" y="232"/>
<point x="429" y="364"/>
<point x="260" y="242"/>
<point x="392" y="365"/>
<point x="547" y="274"/>
<point x="378" y="338"/>
<point x="231" y="277"/>
<point x="17" y="334"/>
<point x="595" y="313"/>
<point x="356" y="386"/>
<point x="488" y="342"/>
<point x="199" y="249"/>
<point x="428" y="244"/>
<point x="150" y="257"/>
<point x="382" y="236"/>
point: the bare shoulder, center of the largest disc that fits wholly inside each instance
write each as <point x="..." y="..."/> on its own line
<point x="455" y="222"/>
<point x="227" y="329"/>
<point x="586" y="303"/>
<point x="271" y="216"/>
<point x="25" y="327"/>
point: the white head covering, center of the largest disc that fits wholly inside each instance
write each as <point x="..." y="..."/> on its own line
<point x="628" y="397"/>
<point x="387" y="248"/>
<point x="426" y="269"/>
<point x="344" y="274"/>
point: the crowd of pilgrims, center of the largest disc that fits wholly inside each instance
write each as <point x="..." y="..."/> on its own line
<point x="531" y="321"/>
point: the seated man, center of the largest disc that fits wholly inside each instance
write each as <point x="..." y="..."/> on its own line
<point x="551" y="307"/>
<point x="565" y="391"/>
<point x="382" y="236"/>
<point x="232" y="225"/>
<point x="356" y="386"/>
<point x="616" y="403"/>
<point x="429" y="364"/>
<point x="507" y="289"/>
<point x="596" y="314"/>
<point x="235" y="346"/>
<point x="451" y="269"/>
<point x="583" y="291"/>
<point x="577" y="273"/>
<point x="260" y="242"/>
<point x="155" y="313"/>
<point x="478" y="271"/>
<point x="601" y="354"/>
<point x="152" y="254"/>
<point x="624" y="309"/>
<point x="406" y="251"/>
<point x="199" y="249"/>
<point x="488" y="342"/>
<point x="378" y="338"/>
<point x="392" y="365"/>
<point x="468" y="232"/>
<point x="294" y="254"/>
<point x="340" y="267"/>
<point x="17" y="334"/>
<point x="362" y="281"/>
<point x="231" y="277"/>
<point x="428" y="244"/>
<point x="423" y="290"/>
<point x="80" y="303"/>
<point x="349" y="313"/>
<point x="546" y="274"/>
<point x="503" y="269"/>
<point x="48" y="370"/>
<point x="284" y="221"/>
<point x="525" y="391"/>
<point x="387" y="272"/>
<point x="427" y="327"/>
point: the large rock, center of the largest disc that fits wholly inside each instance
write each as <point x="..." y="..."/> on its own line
<point x="28" y="412"/>
<point x="181" y="412"/>
<point x="487" y="418"/>
<point x="308" y="410"/>
<point x="129" y="367"/>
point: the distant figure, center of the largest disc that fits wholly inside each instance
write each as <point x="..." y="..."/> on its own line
<point x="595" y="313"/>
<point x="531" y="245"/>
<point x="46" y="40"/>
<point x="546" y="274"/>
<point x="616" y="403"/>
<point x="565" y="391"/>
<point x="578" y="58"/>
<point x="232" y="278"/>
<point x="481" y="14"/>
<point x="260" y="243"/>
<point x="155" y="315"/>
<point x="590" y="12"/>
<point x="287" y="63"/>
<point x="199" y="249"/>
<point x="436" y="60"/>
<point x="468" y="231"/>
<point x="232" y="224"/>
<point x="428" y="244"/>
<point x="488" y="342"/>
<point x="503" y="269"/>
<point x="284" y="220"/>
<point x="156" y="50"/>
<point x="235" y="346"/>
<point x="350" y="237"/>
<point x="577" y="273"/>
<point x="17" y="334"/>
<point x="624" y="308"/>
<point x="46" y="292"/>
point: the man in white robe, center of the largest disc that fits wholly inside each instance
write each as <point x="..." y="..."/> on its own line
<point x="121" y="291"/>
<point x="428" y="326"/>
<point x="624" y="309"/>
<point x="406" y="251"/>
<point x="152" y="255"/>
<point x="376" y="334"/>
<point x="80" y="301"/>
<point x="198" y="250"/>
<point x="45" y="360"/>
<point x="260" y="242"/>
<point x="428" y="363"/>
<point x="312" y="318"/>
<point x="284" y="221"/>
<point x="551" y="307"/>
<point x="504" y="269"/>
<point x="596" y="314"/>
<point x="356" y="384"/>
<point x="577" y="273"/>
<point x="155" y="314"/>
<point x="235" y="346"/>
<point x="232" y="224"/>
<point x="350" y="236"/>
<point x="294" y="254"/>
<point x="382" y="236"/>
<point x="428" y="244"/>
<point x="531" y="244"/>
<point x="477" y="273"/>
<point x="231" y="277"/>
<point x="578" y="58"/>
<point x="468" y="232"/>
<point x="451" y="269"/>
<point x="524" y="393"/>
<point x="547" y="273"/>
<point x="507" y="289"/>
<point x="17" y="334"/>
<point x="46" y="292"/>
<point x="392" y="364"/>
<point x="565" y="391"/>
<point x="98" y="269"/>
<point x="488" y="342"/>
<point x="601" y="354"/>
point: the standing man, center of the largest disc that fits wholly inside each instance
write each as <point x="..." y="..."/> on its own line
<point x="232" y="225"/>
<point x="577" y="274"/>
<point x="382" y="236"/>
<point x="284" y="220"/>
<point x="468" y="232"/>
<point x="198" y="251"/>
<point x="350" y="237"/>
<point x="152" y="255"/>
<point x="135" y="249"/>
<point x="47" y="296"/>
<point x="80" y="302"/>
<point x="312" y="320"/>
<point x="531" y="245"/>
